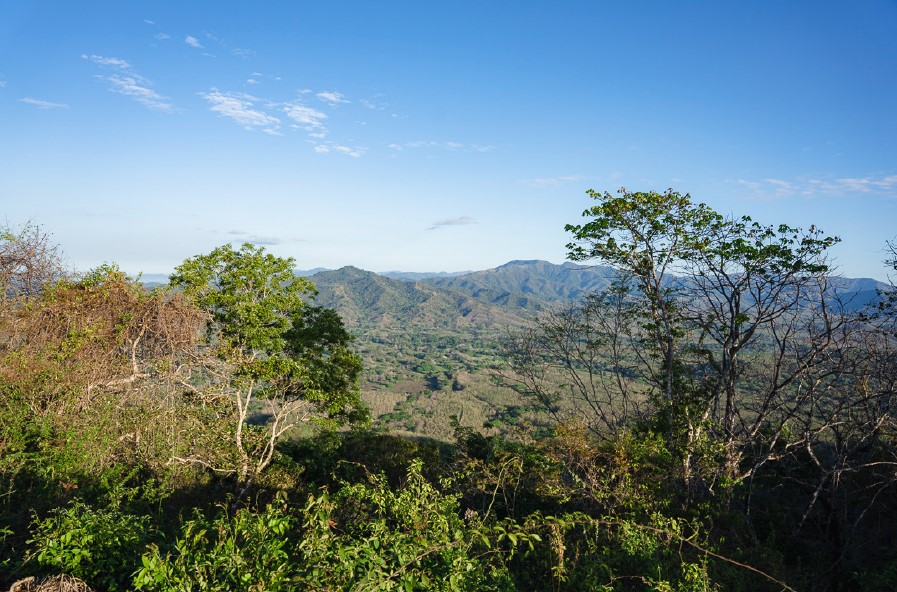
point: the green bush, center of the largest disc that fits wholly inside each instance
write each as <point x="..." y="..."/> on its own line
<point x="243" y="551"/>
<point x="364" y="537"/>
<point x="101" y="546"/>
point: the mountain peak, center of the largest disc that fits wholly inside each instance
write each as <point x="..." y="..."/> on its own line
<point x="524" y="262"/>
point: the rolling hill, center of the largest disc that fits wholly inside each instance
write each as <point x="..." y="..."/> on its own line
<point x="366" y="300"/>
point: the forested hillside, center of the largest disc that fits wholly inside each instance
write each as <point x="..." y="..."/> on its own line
<point x="424" y="340"/>
<point x="518" y="282"/>
<point x="707" y="408"/>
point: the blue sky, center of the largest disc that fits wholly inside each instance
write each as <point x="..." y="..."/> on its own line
<point x="426" y="136"/>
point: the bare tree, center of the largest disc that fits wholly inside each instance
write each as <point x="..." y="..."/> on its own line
<point x="584" y="362"/>
<point x="28" y="261"/>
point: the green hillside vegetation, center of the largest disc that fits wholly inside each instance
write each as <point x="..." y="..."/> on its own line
<point x="528" y="284"/>
<point x="706" y="410"/>
<point x="423" y="346"/>
<point x="424" y="341"/>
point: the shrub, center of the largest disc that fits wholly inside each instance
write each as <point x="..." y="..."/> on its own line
<point x="98" y="545"/>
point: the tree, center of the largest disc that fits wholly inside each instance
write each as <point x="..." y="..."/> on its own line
<point x="751" y="286"/>
<point x="28" y="261"/>
<point x="648" y="236"/>
<point x="270" y="346"/>
<point x="709" y="289"/>
<point x="581" y="362"/>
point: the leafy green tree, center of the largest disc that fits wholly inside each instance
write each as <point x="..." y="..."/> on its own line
<point x="751" y="284"/>
<point x="648" y="236"/>
<point x="270" y="346"/>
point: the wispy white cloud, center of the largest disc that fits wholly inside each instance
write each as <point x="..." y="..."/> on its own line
<point x="106" y="61"/>
<point x="149" y="22"/>
<point x="869" y="184"/>
<point x="212" y="39"/>
<point x="255" y="239"/>
<point x="551" y="181"/>
<point x="162" y="36"/>
<point x="2" y="84"/>
<point x="814" y="186"/>
<point x="332" y="98"/>
<point x="348" y="151"/>
<point x="429" y="144"/>
<point x="272" y="116"/>
<point x="137" y="87"/>
<point x="304" y="116"/>
<point x="40" y="104"/>
<point x="259" y="77"/>
<point x="328" y="147"/>
<point x="459" y="221"/>
<point x="242" y="109"/>
<point x="263" y="240"/>
<point x="781" y="185"/>
<point x="752" y="185"/>
<point x="441" y="145"/>
<point x="129" y="83"/>
<point x="374" y="103"/>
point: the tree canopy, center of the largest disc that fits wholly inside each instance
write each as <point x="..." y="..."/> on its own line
<point x="277" y="346"/>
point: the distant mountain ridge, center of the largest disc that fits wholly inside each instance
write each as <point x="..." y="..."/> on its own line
<point x="533" y="280"/>
<point x="416" y="276"/>
<point x="508" y="295"/>
<point x="366" y="299"/>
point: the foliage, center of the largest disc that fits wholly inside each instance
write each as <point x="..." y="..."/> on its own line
<point x="755" y="362"/>
<point x="121" y="433"/>
<point x="98" y="545"/>
<point x="246" y="551"/>
<point x="100" y="332"/>
<point x="366" y="537"/>
<point x="710" y="293"/>
<point x="273" y="346"/>
<point x="251" y="296"/>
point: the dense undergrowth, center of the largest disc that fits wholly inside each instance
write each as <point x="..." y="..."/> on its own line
<point x="362" y="510"/>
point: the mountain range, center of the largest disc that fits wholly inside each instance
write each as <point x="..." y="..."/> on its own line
<point x="508" y="295"/>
